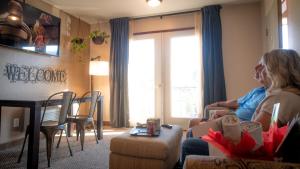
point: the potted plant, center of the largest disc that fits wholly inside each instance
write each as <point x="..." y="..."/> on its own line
<point x="78" y="44"/>
<point x="98" y="37"/>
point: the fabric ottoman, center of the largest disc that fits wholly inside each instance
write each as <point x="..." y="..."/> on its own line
<point x="136" y="152"/>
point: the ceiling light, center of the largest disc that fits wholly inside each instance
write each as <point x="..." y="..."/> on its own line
<point x="153" y="3"/>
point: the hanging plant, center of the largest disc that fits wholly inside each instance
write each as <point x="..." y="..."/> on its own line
<point x="78" y="44"/>
<point x="98" y="37"/>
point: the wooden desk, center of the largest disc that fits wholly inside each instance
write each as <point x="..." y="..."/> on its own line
<point x="34" y="123"/>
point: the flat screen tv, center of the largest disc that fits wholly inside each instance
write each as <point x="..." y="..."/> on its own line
<point x="28" y="28"/>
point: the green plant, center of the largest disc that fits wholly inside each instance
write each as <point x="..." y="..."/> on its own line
<point x="78" y="44"/>
<point x="99" y="37"/>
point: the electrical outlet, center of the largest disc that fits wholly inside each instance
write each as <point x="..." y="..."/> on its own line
<point x="16" y="122"/>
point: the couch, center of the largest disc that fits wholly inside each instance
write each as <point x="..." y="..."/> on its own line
<point x="221" y="162"/>
<point x="212" y="162"/>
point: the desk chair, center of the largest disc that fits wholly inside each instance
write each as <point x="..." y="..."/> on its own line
<point x="49" y="126"/>
<point x="82" y="121"/>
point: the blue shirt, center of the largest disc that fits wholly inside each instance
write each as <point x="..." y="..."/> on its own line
<point x="249" y="102"/>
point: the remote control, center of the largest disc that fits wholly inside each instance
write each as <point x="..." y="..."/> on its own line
<point x="166" y="126"/>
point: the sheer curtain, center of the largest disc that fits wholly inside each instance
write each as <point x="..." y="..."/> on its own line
<point x="198" y="34"/>
<point x="141" y="78"/>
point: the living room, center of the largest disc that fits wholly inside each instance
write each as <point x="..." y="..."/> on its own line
<point x="157" y="68"/>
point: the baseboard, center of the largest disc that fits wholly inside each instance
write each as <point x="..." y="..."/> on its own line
<point x="106" y="123"/>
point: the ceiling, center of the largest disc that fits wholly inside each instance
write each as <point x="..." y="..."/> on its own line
<point x="93" y="11"/>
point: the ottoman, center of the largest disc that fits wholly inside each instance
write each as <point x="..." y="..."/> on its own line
<point x="136" y="152"/>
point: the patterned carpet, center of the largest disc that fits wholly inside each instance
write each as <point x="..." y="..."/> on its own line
<point x="94" y="156"/>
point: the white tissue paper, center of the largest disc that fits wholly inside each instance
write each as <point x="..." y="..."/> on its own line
<point x="231" y="128"/>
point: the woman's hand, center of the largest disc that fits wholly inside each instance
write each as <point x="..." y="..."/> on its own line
<point x="220" y="113"/>
<point x="217" y="104"/>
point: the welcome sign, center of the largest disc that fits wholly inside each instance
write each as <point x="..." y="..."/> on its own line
<point x="34" y="74"/>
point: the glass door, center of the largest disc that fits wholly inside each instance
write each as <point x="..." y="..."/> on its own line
<point x="164" y="77"/>
<point x="144" y="78"/>
<point x="182" y="76"/>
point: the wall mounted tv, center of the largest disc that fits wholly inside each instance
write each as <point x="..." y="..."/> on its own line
<point x="28" y="28"/>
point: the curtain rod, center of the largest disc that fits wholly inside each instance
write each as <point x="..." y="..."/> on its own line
<point x="177" y="13"/>
<point x="164" y="30"/>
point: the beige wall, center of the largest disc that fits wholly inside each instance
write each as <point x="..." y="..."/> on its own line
<point x="270" y="20"/>
<point x="101" y="83"/>
<point x="242" y="46"/>
<point x="294" y="24"/>
<point x="164" y="23"/>
<point x="269" y="14"/>
<point x="76" y="66"/>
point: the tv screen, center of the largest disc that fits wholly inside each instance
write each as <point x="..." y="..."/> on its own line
<point x="28" y="28"/>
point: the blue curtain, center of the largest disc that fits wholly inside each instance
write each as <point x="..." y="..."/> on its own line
<point x="119" y="51"/>
<point x="214" y="81"/>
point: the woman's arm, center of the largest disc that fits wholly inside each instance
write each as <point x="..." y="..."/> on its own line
<point x="264" y="118"/>
<point x="232" y="104"/>
<point x="264" y="111"/>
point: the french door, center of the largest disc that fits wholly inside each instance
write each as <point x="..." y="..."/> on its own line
<point x="164" y="77"/>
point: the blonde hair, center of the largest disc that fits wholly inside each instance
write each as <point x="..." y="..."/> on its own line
<point x="283" y="68"/>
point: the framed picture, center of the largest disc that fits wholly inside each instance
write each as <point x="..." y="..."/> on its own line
<point x="28" y="28"/>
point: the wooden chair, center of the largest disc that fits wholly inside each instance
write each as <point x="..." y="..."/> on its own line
<point x="82" y="121"/>
<point x="50" y="126"/>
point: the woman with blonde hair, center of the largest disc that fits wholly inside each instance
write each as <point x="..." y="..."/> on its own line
<point x="282" y="68"/>
<point x="281" y="72"/>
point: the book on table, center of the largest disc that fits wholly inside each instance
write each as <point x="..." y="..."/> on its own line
<point x="143" y="132"/>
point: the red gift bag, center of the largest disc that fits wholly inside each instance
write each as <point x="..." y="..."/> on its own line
<point x="244" y="149"/>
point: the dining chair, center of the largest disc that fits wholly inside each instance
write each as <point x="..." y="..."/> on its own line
<point x="82" y="121"/>
<point x="52" y="122"/>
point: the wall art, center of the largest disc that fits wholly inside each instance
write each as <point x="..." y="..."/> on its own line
<point x="28" y="28"/>
<point x="34" y="74"/>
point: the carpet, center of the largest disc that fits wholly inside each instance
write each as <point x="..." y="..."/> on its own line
<point x="94" y="156"/>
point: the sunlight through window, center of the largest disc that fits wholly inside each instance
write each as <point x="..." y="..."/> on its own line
<point x="185" y="77"/>
<point x="141" y="80"/>
<point x="285" y="33"/>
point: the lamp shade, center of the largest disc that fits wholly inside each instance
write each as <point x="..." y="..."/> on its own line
<point x="99" y="68"/>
